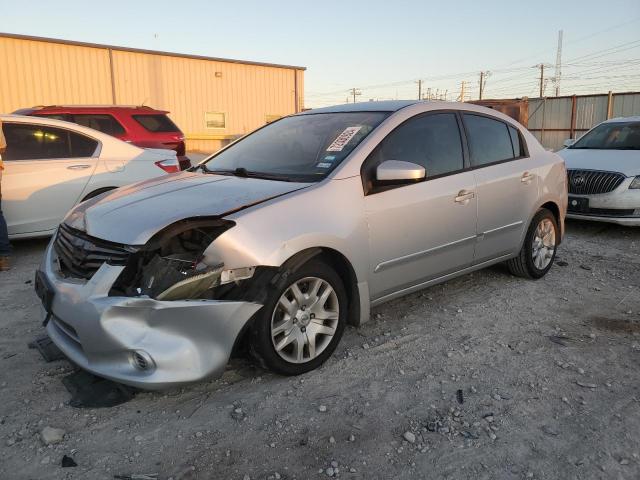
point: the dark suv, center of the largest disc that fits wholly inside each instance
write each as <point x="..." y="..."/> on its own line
<point x="143" y="126"/>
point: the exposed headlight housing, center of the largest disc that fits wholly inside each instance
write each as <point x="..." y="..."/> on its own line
<point x="172" y="265"/>
<point x="635" y="183"/>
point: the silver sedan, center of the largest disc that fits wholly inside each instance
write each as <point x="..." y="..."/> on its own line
<point x="289" y="234"/>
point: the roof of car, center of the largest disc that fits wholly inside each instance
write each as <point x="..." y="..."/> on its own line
<point x="635" y="118"/>
<point x="59" y="108"/>
<point x="383" y="106"/>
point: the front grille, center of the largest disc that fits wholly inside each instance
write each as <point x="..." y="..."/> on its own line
<point x="81" y="255"/>
<point x="591" y="182"/>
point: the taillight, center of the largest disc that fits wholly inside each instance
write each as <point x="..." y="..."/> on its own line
<point x="169" y="165"/>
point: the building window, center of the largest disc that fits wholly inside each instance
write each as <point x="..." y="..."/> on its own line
<point x="215" y="120"/>
<point x="272" y="118"/>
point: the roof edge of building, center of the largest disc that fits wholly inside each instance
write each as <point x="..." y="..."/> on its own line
<point x="19" y="36"/>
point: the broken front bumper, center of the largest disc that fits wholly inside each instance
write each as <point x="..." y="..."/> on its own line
<point x="139" y="341"/>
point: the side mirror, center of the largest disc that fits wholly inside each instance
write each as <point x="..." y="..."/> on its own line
<point x="569" y="141"/>
<point x="399" y="171"/>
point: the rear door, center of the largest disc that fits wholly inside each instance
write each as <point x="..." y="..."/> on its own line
<point x="46" y="171"/>
<point x="506" y="184"/>
<point x="424" y="230"/>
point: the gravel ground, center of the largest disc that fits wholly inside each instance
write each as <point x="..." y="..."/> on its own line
<point x="485" y="377"/>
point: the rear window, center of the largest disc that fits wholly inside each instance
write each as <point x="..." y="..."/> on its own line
<point x="102" y="122"/>
<point x="156" y="123"/>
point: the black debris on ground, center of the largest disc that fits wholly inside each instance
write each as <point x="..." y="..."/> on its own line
<point x="47" y="348"/>
<point x="89" y="391"/>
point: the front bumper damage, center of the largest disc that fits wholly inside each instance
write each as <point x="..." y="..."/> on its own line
<point x="140" y="341"/>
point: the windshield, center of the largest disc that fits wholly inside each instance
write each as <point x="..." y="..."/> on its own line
<point x="612" y="136"/>
<point x="300" y="148"/>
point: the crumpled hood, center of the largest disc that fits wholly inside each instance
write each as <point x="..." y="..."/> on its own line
<point x="133" y="214"/>
<point x="623" y="161"/>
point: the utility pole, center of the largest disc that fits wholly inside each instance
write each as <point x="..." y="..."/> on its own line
<point x="354" y="92"/>
<point x="541" y="67"/>
<point x="483" y="82"/>
<point x="558" y="72"/>
<point x="461" y="97"/>
<point x="419" y="82"/>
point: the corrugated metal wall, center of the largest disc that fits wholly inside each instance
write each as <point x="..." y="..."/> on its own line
<point x="552" y="120"/>
<point x="48" y="73"/>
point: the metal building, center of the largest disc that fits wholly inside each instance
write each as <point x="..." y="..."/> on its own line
<point x="212" y="100"/>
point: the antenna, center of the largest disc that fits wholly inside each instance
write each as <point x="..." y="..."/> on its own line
<point x="558" y="72"/>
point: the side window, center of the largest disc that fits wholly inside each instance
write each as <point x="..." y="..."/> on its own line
<point x="489" y="140"/>
<point x="101" y="122"/>
<point x="34" y="142"/>
<point x="432" y="141"/>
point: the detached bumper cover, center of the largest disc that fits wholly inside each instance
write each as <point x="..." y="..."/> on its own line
<point x="182" y="341"/>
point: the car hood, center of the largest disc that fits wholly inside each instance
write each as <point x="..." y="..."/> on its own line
<point x="133" y="214"/>
<point x="623" y="161"/>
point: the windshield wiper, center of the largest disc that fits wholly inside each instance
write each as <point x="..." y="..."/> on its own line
<point x="244" y="173"/>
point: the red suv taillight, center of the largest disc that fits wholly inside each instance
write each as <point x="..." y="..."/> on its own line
<point x="169" y="165"/>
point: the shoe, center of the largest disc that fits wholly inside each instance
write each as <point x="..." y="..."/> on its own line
<point x="4" y="264"/>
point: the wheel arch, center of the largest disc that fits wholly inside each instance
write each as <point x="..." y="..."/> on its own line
<point x="96" y="192"/>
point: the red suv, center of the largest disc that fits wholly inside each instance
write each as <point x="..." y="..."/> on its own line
<point x="141" y="126"/>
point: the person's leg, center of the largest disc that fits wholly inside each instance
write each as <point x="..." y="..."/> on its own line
<point x="5" y="246"/>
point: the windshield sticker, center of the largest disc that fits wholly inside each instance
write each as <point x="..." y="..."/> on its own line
<point x="330" y="158"/>
<point x="323" y="165"/>
<point x="342" y="139"/>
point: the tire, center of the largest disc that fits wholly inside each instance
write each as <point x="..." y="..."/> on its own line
<point x="277" y="325"/>
<point x="529" y="265"/>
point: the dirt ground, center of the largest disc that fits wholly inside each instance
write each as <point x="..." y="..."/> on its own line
<point x="547" y="372"/>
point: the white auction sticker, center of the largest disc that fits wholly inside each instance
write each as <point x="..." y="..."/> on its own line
<point x="342" y="139"/>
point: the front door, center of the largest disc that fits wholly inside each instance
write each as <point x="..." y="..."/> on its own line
<point x="46" y="171"/>
<point x="422" y="230"/>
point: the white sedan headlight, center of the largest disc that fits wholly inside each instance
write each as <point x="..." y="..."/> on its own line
<point x="635" y="183"/>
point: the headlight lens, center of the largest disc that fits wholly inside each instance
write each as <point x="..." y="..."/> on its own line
<point x="635" y="183"/>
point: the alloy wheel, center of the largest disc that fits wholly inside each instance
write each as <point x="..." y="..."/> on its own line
<point x="544" y="244"/>
<point x="305" y="320"/>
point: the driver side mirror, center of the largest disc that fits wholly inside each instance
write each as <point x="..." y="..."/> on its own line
<point x="397" y="171"/>
<point x="569" y="141"/>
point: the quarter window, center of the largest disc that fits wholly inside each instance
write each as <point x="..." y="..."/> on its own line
<point x="518" y="151"/>
<point x="35" y="142"/>
<point x="432" y="141"/>
<point x="489" y="140"/>
<point x="101" y="122"/>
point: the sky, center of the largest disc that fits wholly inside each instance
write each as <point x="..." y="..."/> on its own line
<point x="379" y="47"/>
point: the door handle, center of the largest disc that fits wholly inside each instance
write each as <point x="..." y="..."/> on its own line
<point x="464" y="196"/>
<point x="77" y="167"/>
<point x="526" y="178"/>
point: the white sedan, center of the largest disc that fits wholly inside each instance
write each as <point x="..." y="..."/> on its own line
<point x="603" y="169"/>
<point x="51" y="165"/>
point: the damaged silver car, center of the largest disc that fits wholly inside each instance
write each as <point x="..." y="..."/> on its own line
<point x="286" y="236"/>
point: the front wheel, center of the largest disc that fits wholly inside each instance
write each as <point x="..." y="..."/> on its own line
<point x="302" y="321"/>
<point x="539" y="248"/>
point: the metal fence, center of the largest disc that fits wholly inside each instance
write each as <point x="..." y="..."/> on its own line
<point x="554" y="119"/>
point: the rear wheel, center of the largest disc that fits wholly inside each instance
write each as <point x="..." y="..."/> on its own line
<point x="539" y="248"/>
<point x="302" y="321"/>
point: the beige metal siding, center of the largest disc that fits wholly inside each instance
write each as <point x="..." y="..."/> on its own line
<point x="41" y="73"/>
<point x="50" y="73"/>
